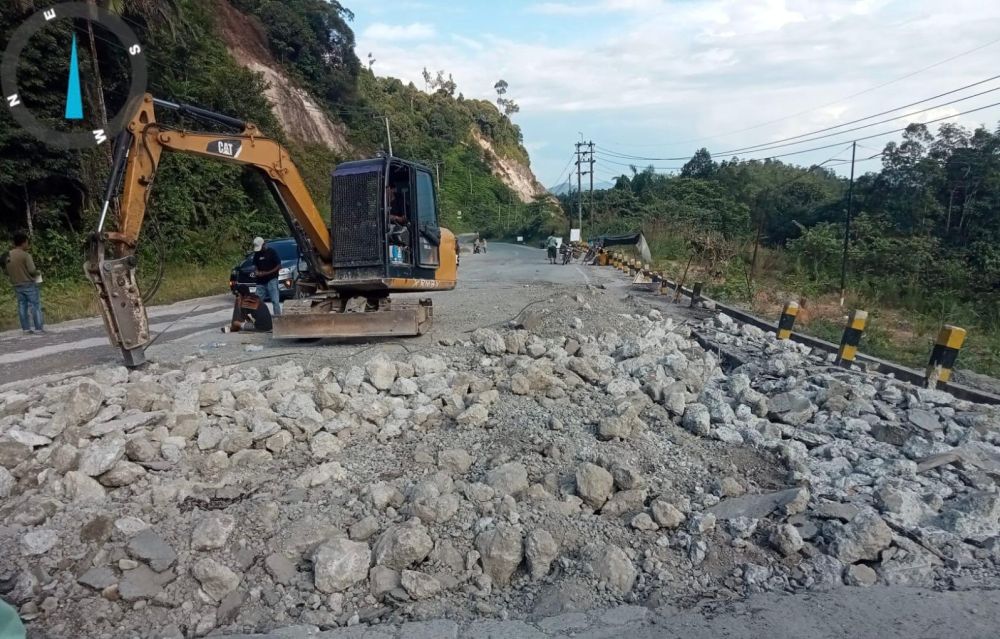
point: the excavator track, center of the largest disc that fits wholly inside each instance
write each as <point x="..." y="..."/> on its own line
<point x="333" y="318"/>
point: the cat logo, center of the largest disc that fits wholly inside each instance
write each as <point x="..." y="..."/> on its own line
<point x="227" y="148"/>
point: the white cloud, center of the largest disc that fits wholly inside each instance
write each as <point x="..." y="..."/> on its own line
<point x="664" y="73"/>
<point x="381" y="31"/>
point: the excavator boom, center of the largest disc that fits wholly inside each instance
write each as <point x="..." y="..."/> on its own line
<point x="112" y="260"/>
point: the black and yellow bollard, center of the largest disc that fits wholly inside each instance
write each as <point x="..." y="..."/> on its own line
<point x="787" y="321"/>
<point x="852" y="338"/>
<point x="949" y="342"/>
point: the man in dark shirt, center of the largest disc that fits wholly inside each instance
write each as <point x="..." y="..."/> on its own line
<point x="266" y="264"/>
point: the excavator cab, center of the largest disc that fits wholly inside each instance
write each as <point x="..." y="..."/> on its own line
<point x="384" y="223"/>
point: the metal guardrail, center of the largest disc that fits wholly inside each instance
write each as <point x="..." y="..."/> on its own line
<point x="900" y="372"/>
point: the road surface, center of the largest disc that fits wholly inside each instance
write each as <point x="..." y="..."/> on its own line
<point x="187" y="327"/>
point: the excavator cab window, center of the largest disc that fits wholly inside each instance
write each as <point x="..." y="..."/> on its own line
<point x="399" y="209"/>
<point x="428" y="231"/>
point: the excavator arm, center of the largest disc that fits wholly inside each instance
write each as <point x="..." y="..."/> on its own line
<point x="111" y="255"/>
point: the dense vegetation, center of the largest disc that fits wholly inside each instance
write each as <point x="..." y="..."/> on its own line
<point x="202" y="213"/>
<point x="924" y="243"/>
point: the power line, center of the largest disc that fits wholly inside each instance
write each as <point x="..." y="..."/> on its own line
<point x="884" y="133"/>
<point x="830" y="146"/>
<point x="844" y="99"/>
<point x="565" y="169"/>
<point x="803" y="138"/>
<point x="606" y="160"/>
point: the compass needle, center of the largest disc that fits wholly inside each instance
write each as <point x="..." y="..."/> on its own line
<point x="74" y="97"/>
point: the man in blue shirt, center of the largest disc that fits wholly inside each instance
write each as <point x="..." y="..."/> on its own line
<point x="266" y="264"/>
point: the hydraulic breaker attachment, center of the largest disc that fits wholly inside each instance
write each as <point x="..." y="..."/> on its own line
<point x="120" y="301"/>
<point x="356" y="317"/>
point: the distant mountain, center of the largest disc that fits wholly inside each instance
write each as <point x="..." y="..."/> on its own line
<point x="570" y="187"/>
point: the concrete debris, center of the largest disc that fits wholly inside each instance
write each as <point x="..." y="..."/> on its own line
<point x="487" y="476"/>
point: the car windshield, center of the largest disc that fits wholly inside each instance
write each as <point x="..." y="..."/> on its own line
<point x="287" y="250"/>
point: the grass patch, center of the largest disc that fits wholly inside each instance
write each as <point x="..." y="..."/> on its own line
<point x="73" y="299"/>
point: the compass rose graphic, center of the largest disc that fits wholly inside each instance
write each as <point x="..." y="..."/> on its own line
<point x="76" y="138"/>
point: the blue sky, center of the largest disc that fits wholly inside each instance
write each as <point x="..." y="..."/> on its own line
<point x="661" y="78"/>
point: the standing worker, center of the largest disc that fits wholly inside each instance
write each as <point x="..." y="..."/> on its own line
<point x="266" y="264"/>
<point x="25" y="278"/>
<point x="551" y="246"/>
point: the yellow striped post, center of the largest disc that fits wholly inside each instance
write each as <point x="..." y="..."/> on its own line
<point x="787" y="321"/>
<point x="949" y="343"/>
<point x="852" y="338"/>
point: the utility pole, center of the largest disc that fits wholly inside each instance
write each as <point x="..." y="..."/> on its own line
<point x="584" y="155"/>
<point x="579" y="186"/>
<point x="847" y="229"/>
<point x="590" y="211"/>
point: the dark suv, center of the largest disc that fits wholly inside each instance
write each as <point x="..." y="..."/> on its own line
<point x="288" y="251"/>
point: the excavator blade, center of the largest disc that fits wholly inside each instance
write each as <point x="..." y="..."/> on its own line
<point x="120" y="301"/>
<point x="304" y="319"/>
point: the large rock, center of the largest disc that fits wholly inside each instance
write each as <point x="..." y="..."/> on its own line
<point x="7" y="483"/>
<point x="419" y="585"/>
<point x="216" y="580"/>
<point x="381" y="373"/>
<point x="339" y="564"/>
<point x="792" y="408"/>
<point x="541" y="550"/>
<point x="666" y="514"/>
<point x="613" y="566"/>
<point x="789" y="502"/>
<point x="212" y="531"/>
<point x="475" y="415"/>
<point x="39" y="542"/>
<point x="403" y="546"/>
<point x="98" y="578"/>
<point x="123" y="473"/>
<point x="697" y="419"/>
<point x="509" y="479"/>
<point x="490" y="340"/>
<point x="148" y="546"/>
<point x="98" y="457"/>
<point x="80" y="406"/>
<point x="382" y="580"/>
<point x="143" y="583"/>
<point x="862" y="539"/>
<point x="501" y="551"/>
<point x="593" y="484"/>
<point x="455" y="460"/>
<point x="12" y="453"/>
<point x="81" y="488"/>
<point x="625" y="501"/>
<point x="614" y="428"/>
<point x="974" y="516"/>
<point x="786" y="538"/>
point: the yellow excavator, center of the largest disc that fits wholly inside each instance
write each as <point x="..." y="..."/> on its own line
<point x="383" y="237"/>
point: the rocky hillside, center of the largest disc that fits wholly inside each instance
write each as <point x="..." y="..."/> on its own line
<point x="425" y="127"/>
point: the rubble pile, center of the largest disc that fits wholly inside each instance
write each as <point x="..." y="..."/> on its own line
<point x="518" y="474"/>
